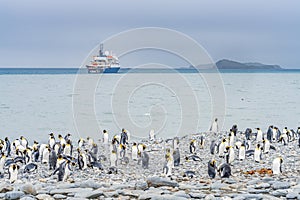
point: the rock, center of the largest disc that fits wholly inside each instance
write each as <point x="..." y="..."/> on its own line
<point x="113" y="194"/>
<point x="90" y="184"/>
<point x="230" y="181"/>
<point x="4" y="187"/>
<point x="94" y="194"/>
<point x="249" y="196"/>
<point x="279" y="193"/>
<point x="181" y="194"/>
<point x="262" y="185"/>
<point x="59" y="196"/>
<point x="197" y="195"/>
<point x="14" y="195"/>
<point x="44" y="197"/>
<point x="141" y="185"/>
<point x="159" y="182"/>
<point x="280" y="185"/>
<point x="210" y="197"/>
<point x="292" y="195"/>
<point x="70" y="191"/>
<point x="28" y="188"/>
<point x="258" y="191"/>
<point x="28" y="198"/>
<point x="217" y="185"/>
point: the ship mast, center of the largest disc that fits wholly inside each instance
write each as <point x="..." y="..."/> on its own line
<point x="101" y="53"/>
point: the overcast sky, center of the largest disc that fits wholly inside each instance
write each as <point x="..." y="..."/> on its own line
<point x="61" y="33"/>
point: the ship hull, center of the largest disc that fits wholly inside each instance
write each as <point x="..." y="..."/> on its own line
<point x="102" y="70"/>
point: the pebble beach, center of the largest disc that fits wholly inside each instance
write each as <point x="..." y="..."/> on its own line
<point x="249" y="179"/>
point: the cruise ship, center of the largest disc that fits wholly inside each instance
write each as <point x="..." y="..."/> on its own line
<point x="105" y="62"/>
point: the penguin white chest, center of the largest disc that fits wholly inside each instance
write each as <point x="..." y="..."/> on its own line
<point x="257" y="153"/>
<point x="276" y="168"/>
<point x="242" y="153"/>
<point x="134" y="153"/>
<point x="105" y="138"/>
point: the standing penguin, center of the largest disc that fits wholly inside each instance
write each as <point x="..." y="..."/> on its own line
<point x="193" y="146"/>
<point x="51" y="141"/>
<point x="167" y="169"/>
<point x="248" y="133"/>
<point x="24" y="142"/>
<point x="266" y="146"/>
<point x="201" y="142"/>
<point x="259" y="135"/>
<point x="242" y="152"/>
<point x="230" y="154"/>
<point x="213" y="147"/>
<point x="234" y="129"/>
<point x="105" y="137"/>
<point x="152" y="135"/>
<point x="212" y="169"/>
<point x="52" y="159"/>
<point x="222" y="148"/>
<point x="124" y="137"/>
<point x="13" y="172"/>
<point x="270" y="133"/>
<point x="231" y="139"/>
<point x="122" y="151"/>
<point x="134" y="152"/>
<point x="45" y="155"/>
<point x="8" y="146"/>
<point x="145" y="159"/>
<point x="2" y="162"/>
<point x="276" y="168"/>
<point x="176" y="157"/>
<point x="113" y="158"/>
<point x="214" y="126"/>
<point x="68" y="148"/>
<point x="36" y="154"/>
<point x="175" y="142"/>
<point x="257" y="153"/>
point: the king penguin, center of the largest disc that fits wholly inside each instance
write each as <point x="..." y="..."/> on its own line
<point x="212" y="169"/>
<point x="257" y="153"/>
<point x="176" y="157"/>
<point x="266" y="145"/>
<point x="224" y="170"/>
<point x="242" y="152"/>
<point x="24" y="142"/>
<point x="152" y="135"/>
<point x="230" y="154"/>
<point x="222" y="148"/>
<point x="259" y="135"/>
<point x="193" y="146"/>
<point x="167" y="169"/>
<point x="2" y="162"/>
<point x="113" y="158"/>
<point x="145" y="159"/>
<point x="13" y="172"/>
<point x="134" y="152"/>
<point x="276" y="168"/>
<point x="45" y="155"/>
<point x="105" y="137"/>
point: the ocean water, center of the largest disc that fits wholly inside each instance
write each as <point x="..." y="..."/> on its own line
<point x="36" y="103"/>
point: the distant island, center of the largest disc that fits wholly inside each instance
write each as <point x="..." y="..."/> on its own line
<point x="229" y="64"/>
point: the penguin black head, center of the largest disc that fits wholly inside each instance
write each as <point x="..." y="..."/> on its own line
<point x="134" y="144"/>
<point x="104" y="131"/>
<point x="216" y="119"/>
<point x="285" y="127"/>
<point x="51" y="134"/>
<point x="258" y="145"/>
<point x="224" y="140"/>
<point x="144" y="147"/>
<point x="6" y="139"/>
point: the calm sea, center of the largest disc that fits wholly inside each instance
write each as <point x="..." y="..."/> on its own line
<point x="35" y="102"/>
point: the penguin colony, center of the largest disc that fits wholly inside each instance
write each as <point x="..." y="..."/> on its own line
<point x="63" y="156"/>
